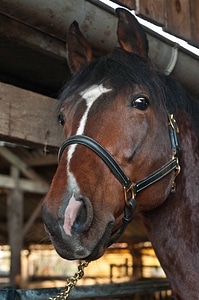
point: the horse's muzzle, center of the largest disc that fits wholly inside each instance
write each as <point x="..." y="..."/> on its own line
<point x="67" y="246"/>
<point x="73" y="234"/>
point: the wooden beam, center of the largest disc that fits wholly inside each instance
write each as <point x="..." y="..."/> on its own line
<point x="25" y="185"/>
<point x="41" y="160"/>
<point x="20" y="164"/>
<point x="28" y="118"/>
<point x="36" y="212"/>
<point x="36" y="184"/>
<point x="31" y="37"/>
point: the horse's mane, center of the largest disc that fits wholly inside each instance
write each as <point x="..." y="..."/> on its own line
<point x="178" y="100"/>
<point x="122" y="71"/>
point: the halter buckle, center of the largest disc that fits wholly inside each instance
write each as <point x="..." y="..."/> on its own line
<point x="178" y="167"/>
<point x="173" y="132"/>
<point x="173" y="123"/>
<point x="130" y="189"/>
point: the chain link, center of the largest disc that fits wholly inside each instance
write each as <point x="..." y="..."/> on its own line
<point x="71" y="282"/>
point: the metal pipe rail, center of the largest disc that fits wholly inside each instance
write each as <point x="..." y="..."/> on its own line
<point x="102" y="291"/>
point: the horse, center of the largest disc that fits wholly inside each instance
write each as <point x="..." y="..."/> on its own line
<point x="132" y="144"/>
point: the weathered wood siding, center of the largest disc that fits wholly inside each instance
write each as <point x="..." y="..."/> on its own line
<point x="178" y="17"/>
<point x="28" y="117"/>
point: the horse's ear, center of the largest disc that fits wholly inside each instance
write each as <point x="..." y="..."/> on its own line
<point x="131" y="35"/>
<point x="79" y="50"/>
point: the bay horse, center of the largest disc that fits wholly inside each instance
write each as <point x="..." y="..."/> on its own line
<point x="129" y="129"/>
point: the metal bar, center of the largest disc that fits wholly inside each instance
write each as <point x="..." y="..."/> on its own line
<point x="95" y="291"/>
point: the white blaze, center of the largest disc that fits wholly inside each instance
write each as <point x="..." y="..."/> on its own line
<point x="90" y="95"/>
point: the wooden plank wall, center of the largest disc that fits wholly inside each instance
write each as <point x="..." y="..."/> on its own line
<point x="178" y="17"/>
<point x="27" y="117"/>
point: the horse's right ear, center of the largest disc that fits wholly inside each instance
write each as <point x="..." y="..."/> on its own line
<point x="79" y="50"/>
<point x="131" y="35"/>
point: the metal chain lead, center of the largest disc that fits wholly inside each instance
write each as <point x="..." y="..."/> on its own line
<point x="71" y="282"/>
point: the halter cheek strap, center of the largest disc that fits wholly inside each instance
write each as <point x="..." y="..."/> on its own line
<point x="130" y="188"/>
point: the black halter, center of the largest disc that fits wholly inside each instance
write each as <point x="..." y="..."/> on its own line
<point x="130" y="188"/>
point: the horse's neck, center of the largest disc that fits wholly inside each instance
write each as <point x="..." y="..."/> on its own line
<point x="173" y="228"/>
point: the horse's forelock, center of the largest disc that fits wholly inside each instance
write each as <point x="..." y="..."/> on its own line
<point x="119" y="70"/>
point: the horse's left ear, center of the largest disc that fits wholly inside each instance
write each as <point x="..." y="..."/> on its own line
<point x="131" y="35"/>
<point x="79" y="51"/>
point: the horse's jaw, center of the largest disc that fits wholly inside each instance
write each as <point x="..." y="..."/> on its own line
<point x="178" y="255"/>
<point x="173" y="228"/>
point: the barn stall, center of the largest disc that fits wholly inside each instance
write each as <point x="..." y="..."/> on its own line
<point x="33" y="70"/>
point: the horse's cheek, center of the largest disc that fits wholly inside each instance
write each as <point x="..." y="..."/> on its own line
<point x="155" y="195"/>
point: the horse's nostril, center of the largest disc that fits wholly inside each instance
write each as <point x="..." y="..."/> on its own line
<point x="78" y="215"/>
<point x="81" y="219"/>
<point x="84" y="216"/>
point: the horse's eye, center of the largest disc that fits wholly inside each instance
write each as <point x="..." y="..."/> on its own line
<point x="140" y="102"/>
<point x="61" y="119"/>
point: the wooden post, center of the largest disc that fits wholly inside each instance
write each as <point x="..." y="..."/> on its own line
<point x="137" y="264"/>
<point x="15" y="225"/>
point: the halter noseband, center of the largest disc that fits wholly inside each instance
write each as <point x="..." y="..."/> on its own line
<point x="129" y="186"/>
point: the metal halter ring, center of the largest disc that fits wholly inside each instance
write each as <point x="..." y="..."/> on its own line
<point x="130" y="189"/>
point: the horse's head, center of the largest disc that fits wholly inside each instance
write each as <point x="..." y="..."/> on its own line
<point x="118" y="101"/>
